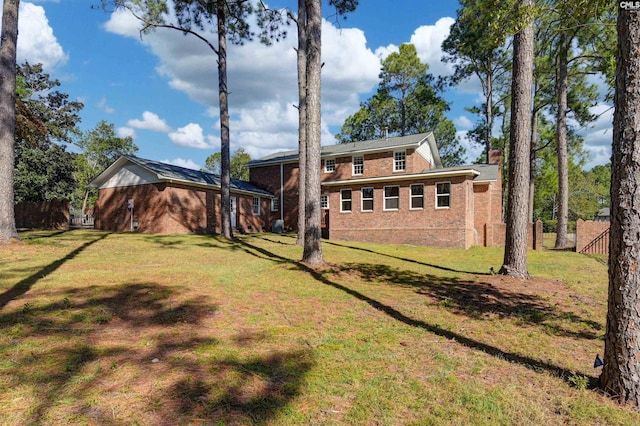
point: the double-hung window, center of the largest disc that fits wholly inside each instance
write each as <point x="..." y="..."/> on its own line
<point x="443" y="195"/>
<point x="275" y="204"/>
<point x="367" y="199"/>
<point x="399" y="161"/>
<point x="324" y="201"/>
<point x="330" y="165"/>
<point x="345" y="200"/>
<point x="358" y="165"/>
<point x="417" y="196"/>
<point x="256" y="206"/>
<point x="391" y="197"/>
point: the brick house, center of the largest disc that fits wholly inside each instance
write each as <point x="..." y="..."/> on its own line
<point x="153" y="197"/>
<point x="392" y="190"/>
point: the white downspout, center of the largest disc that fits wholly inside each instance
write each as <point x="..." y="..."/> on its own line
<point x="281" y="194"/>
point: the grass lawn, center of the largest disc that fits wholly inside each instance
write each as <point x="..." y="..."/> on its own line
<point x="120" y="329"/>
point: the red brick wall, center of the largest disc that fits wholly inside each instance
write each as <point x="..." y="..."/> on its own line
<point x="463" y="225"/>
<point x="172" y="209"/>
<point x="52" y="214"/>
<point x="587" y="231"/>
<point x="377" y="164"/>
<point x="495" y="234"/>
<point x="449" y="227"/>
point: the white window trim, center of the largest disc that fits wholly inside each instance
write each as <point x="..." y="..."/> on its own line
<point x="341" y="200"/>
<point x="362" y="199"/>
<point x="353" y="165"/>
<point x="333" y="160"/>
<point x="411" y="197"/>
<point x="253" y="209"/>
<point x="275" y="204"/>
<point x="395" y="169"/>
<point x="448" y="194"/>
<point x="385" y="198"/>
<point x="325" y="196"/>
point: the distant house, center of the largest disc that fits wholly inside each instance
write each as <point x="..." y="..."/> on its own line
<point x="603" y="215"/>
<point x="392" y="190"/>
<point x="153" y="197"/>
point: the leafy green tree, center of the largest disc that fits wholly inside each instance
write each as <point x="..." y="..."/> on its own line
<point x="43" y="172"/>
<point x="45" y="118"/>
<point x="238" y="159"/>
<point x="477" y="46"/>
<point x="406" y="102"/>
<point x="8" y="68"/>
<point x="100" y="147"/>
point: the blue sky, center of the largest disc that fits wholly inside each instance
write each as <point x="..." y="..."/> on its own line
<point x="162" y="88"/>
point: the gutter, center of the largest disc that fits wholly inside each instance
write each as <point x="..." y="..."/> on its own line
<point x="450" y="173"/>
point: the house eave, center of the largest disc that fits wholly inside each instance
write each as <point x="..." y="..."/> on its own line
<point x="395" y="178"/>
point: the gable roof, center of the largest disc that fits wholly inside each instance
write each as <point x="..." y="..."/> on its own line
<point x="351" y="148"/>
<point x="169" y="173"/>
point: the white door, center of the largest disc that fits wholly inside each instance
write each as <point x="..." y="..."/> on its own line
<point x="234" y="209"/>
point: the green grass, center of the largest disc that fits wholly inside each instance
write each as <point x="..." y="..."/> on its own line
<point x="100" y="328"/>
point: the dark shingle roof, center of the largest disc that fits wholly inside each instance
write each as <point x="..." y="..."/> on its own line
<point x="166" y="171"/>
<point x="344" y="148"/>
<point x="488" y="172"/>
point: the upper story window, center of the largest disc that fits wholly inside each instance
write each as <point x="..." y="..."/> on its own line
<point x="367" y="199"/>
<point x="330" y="165"/>
<point x="345" y="200"/>
<point x="324" y="201"/>
<point x="399" y="161"/>
<point x="417" y="196"/>
<point x="275" y="204"/>
<point x="443" y="195"/>
<point x="256" y="205"/>
<point x="391" y="197"/>
<point x="358" y="165"/>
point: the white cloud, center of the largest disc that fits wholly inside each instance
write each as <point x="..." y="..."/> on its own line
<point x="181" y="162"/>
<point x="599" y="136"/>
<point x="150" y="121"/>
<point x="473" y="149"/>
<point x="463" y="123"/>
<point x="192" y="136"/>
<point x="262" y="82"/>
<point x="428" y="41"/>
<point x="36" y="41"/>
<point x="125" y="132"/>
<point x="105" y="107"/>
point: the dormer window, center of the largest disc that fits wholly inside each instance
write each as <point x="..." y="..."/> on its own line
<point x="330" y="165"/>
<point x="399" y="161"/>
<point x="358" y="165"/>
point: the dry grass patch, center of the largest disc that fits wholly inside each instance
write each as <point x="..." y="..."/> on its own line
<point x="117" y="329"/>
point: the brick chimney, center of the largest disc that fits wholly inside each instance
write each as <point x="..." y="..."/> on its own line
<point x="495" y="156"/>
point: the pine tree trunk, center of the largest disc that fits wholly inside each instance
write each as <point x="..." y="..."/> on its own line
<point x="312" y="245"/>
<point x="561" y="140"/>
<point x="515" y="251"/>
<point x="532" y="162"/>
<point x="489" y="115"/>
<point x="8" y="113"/>
<point x="302" y="118"/>
<point x="621" y="371"/>
<point x="225" y="156"/>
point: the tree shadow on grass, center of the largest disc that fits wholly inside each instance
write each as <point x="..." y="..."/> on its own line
<point x="25" y="285"/>
<point x="479" y="300"/>
<point x="443" y="288"/>
<point x="404" y="259"/>
<point x="80" y="352"/>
